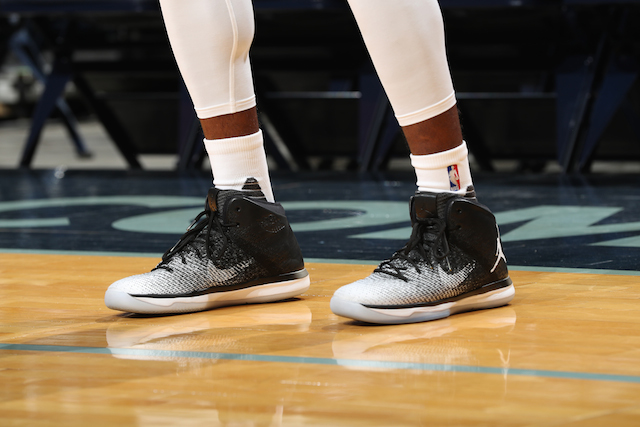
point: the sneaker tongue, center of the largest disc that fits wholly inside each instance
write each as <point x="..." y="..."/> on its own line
<point x="224" y="195"/>
<point x="442" y="201"/>
<point x="430" y="205"/>
<point x="212" y="197"/>
<point x="217" y="198"/>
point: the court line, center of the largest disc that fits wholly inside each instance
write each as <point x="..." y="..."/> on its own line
<point x="380" y="364"/>
<point x="511" y="267"/>
<point x="82" y="253"/>
<point x="318" y="260"/>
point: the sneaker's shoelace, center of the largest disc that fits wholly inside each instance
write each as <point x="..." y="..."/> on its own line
<point x="211" y="222"/>
<point x="436" y="241"/>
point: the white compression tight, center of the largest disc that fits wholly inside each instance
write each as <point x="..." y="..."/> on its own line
<point x="211" y="41"/>
<point x="405" y="38"/>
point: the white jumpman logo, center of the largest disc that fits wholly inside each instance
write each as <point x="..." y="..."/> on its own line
<point x="499" y="254"/>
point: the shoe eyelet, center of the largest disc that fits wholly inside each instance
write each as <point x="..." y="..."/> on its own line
<point x="459" y="211"/>
<point x="237" y="224"/>
<point x="238" y="209"/>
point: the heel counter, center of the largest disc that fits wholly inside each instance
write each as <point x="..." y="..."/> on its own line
<point x="264" y="233"/>
<point x="473" y="228"/>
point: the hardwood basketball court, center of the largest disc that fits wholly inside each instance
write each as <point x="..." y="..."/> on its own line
<point x="564" y="352"/>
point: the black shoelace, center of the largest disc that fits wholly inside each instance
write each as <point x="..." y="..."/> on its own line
<point x="211" y="222"/>
<point x="426" y="236"/>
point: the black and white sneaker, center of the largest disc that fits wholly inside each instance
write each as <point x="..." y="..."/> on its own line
<point x="453" y="262"/>
<point x="239" y="250"/>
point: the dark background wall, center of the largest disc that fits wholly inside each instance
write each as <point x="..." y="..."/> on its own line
<point x="504" y="62"/>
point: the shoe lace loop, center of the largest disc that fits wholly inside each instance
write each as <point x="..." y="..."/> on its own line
<point x="426" y="236"/>
<point x="211" y="221"/>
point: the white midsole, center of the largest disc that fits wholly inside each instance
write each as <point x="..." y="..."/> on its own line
<point x="357" y="311"/>
<point x="119" y="300"/>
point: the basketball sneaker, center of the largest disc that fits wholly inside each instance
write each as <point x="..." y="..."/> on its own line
<point x="239" y="250"/>
<point x="453" y="262"/>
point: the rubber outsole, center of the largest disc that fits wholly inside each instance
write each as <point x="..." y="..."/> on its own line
<point x="391" y="316"/>
<point x="122" y="301"/>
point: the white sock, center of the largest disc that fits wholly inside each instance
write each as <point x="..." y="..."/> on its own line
<point x="444" y="171"/>
<point x="234" y="160"/>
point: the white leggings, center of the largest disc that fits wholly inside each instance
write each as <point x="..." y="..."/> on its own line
<point x="405" y="38"/>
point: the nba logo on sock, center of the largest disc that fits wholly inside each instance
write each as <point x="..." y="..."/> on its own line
<point x="454" y="177"/>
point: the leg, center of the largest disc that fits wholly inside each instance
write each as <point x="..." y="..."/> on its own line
<point x="211" y="41"/>
<point x="440" y="133"/>
<point x="240" y="249"/>
<point x="406" y="41"/>
<point x="453" y="261"/>
<point x="232" y="125"/>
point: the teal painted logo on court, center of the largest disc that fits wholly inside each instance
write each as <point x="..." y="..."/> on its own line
<point x="176" y="213"/>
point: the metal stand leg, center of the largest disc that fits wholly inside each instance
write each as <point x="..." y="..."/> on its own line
<point x="588" y="95"/>
<point x="373" y="108"/>
<point x="612" y="92"/>
<point x="55" y="84"/>
<point x="278" y="132"/>
<point x="390" y="129"/>
<point x="475" y="142"/>
<point x="25" y="48"/>
<point x="191" y="149"/>
<point x="110" y="122"/>
<point x="574" y="88"/>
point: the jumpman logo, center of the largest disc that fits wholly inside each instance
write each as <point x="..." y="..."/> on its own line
<point x="499" y="254"/>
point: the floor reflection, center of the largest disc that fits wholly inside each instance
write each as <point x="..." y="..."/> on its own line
<point x="239" y="330"/>
<point x="445" y="341"/>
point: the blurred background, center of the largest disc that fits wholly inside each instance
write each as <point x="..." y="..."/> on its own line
<point x="544" y="86"/>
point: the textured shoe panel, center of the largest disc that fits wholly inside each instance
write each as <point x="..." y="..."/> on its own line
<point x="197" y="274"/>
<point x="264" y="233"/>
<point x="472" y="227"/>
<point x="430" y="282"/>
<point x="261" y="228"/>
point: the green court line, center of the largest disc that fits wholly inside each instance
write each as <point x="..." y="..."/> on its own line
<point x="375" y="364"/>
<point x="89" y="253"/>
<point x="511" y="267"/>
<point x="573" y="270"/>
<point x="342" y="261"/>
<point x="317" y="260"/>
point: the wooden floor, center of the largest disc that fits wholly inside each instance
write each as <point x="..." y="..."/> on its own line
<point x="565" y="352"/>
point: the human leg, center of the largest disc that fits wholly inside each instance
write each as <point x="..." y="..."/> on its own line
<point x="405" y="39"/>
<point x="453" y="261"/>
<point x="240" y="248"/>
<point x="211" y="41"/>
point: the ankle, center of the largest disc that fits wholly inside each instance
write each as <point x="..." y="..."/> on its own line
<point x="235" y="160"/>
<point x="446" y="171"/>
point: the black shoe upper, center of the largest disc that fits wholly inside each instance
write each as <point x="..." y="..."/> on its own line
<point x="262" y="231"/>
<point x="236" y="225"/>
<point x="454" y="249"/>
<point x="463" y="223"/>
